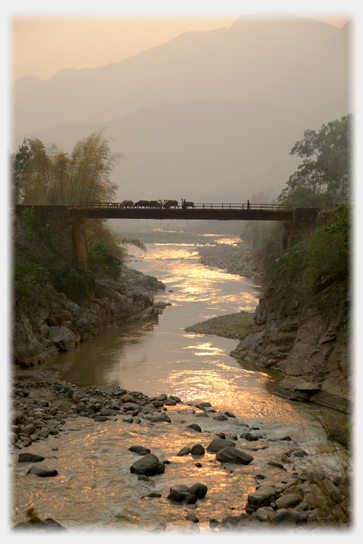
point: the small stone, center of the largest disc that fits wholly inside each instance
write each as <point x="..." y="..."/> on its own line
<point x="195" y="427"/>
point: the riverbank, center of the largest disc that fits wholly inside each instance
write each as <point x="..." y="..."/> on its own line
<point x="290" y="489"/>
<point x="57" y="324"/>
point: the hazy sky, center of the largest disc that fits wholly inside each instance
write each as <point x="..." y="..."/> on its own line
<point x="43" y="44"/>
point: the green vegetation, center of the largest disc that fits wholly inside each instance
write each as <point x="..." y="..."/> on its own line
<point x="319" y="258"/>
<point x="103" y="262"/>
<point x="322" y="179"/>
<point x="325" y="172"/>
<point x="29" y="277"/>
<point x="75" y="282"/>
<point x="43" y="175"/>
<point x="47" y="175"/>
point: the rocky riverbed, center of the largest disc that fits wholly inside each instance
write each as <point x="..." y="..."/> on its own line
<point x="235" y="259"/>
<point x="289" y="492"/>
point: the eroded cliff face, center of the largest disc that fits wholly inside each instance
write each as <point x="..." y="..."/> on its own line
<point x="58" y="324"/>
<point x="307" y="338"/>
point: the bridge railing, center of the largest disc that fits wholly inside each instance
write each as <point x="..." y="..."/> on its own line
<point x="197" y="205"/>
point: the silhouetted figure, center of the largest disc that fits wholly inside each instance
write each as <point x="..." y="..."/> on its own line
<point x="248" y="204"/>
<point x="183" y="203"/>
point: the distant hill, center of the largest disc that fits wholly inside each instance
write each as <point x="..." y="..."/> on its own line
<point x="210" y="116"/>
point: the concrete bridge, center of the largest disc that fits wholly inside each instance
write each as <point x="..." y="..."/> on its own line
<point x="209" y="211"/>
<point x="63" y="227"/>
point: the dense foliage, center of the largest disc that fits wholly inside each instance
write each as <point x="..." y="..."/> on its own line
<point x="319" y="258"/>
<point x="103" y="262"/>
<point x="29" y="278"/>
<point x="75" y="282"/>
<point x="43" y="175"/>
<point x="325" y="172"/>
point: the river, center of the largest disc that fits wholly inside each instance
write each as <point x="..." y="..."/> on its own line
<point x="94" y="489"/>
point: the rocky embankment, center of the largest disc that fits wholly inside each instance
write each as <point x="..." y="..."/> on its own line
<point x="43" y="407"/>
<point x="307" y="338"/>
<point x="234" y="259"/>
<point x="58" y="324"/>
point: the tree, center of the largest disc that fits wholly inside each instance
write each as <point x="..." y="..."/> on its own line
<point x="325" y="172"/>
<point x="19" y="168"/>
<point x="55" y="177"/>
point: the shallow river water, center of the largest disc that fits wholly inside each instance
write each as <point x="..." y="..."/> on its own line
<point x="95" y="489"/>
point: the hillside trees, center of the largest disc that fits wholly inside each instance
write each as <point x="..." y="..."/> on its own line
<point x="325" y="172"/>
<point x="49" y="176"/>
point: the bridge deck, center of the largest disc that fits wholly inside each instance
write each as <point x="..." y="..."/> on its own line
<point x="220" y="212"/>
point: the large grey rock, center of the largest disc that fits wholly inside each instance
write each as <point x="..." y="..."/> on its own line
<point x="63" y="338"/>
<point x="29" y="458"/>
<point x="231" y="454"/>
<point x="218" y="444"/>
<point x="197" y="449"/>
<point x="261" y="497"/>
<point x="43" y="472"/>
<point x="27" y="349"/>
<point x="148" y="465"/>
<point x="288" y="501"/>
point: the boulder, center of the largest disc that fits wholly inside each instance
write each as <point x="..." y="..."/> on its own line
<point x="218" y="444"/>
<point x="198" y="489"/>
<point x="231" y="454"/>
<point x="184" y="451"/>
<point x="43" y="472"/>
<point x="27" y="349"/>
<point x="195" y="427"/>
<point x="340" y="435"/>
<point x="63" y="338"/>
<point x="263" y="496"/>
<point x="148" y="465"/>
<point x="288" y="501"/>
<point x="197" y="449"/>
<point x="29" y="458"/>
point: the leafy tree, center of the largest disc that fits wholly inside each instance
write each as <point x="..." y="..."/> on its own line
<point x="55" y="177"/>
<point x="325" y="172"/>
<point x="19" y="168"/>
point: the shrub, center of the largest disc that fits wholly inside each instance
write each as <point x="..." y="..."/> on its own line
<point x="318" y="259"/>
<point x="75" y="282"/>
<point x="29" y="277"/>
<point x="103" y="262"/>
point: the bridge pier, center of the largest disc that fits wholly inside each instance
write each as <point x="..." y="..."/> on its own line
<point x="79" y="241"/>
<point x="304" y="221"/>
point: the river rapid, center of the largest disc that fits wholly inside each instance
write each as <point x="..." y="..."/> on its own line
<point x="95" y="490"/>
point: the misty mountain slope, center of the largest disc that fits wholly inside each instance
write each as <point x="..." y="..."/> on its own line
<point x="206" y="152"/>
<point x="320" y="83"/>
<point x="224" y="64"/>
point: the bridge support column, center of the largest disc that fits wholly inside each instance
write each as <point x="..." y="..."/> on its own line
<point x="304" y="221"/>
<point x="79" y="243"/>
